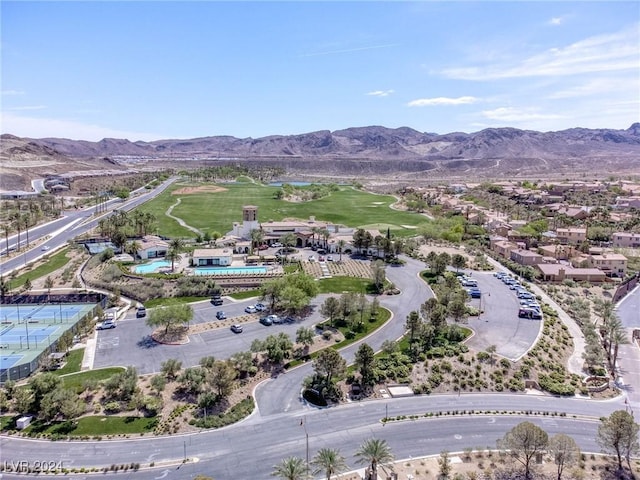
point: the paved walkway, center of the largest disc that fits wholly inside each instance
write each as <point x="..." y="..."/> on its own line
<point x="179" y="220"/>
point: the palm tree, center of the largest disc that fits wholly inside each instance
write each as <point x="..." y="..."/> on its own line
<point x="7" y="229"/>
<point x="175" y="245"/>
<point x="341" y="244"/>
<point x="132" y="248"/>
<point x="256" y="238"/>
<point x="374" y="452"/>
<point x="330" y="461"/>
<point x="17" y="224"/>
<point x="4" y="287"/>
<point x="292" y="468"/>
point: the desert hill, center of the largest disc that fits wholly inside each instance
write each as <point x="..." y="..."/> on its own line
<point x="366" y="152"/>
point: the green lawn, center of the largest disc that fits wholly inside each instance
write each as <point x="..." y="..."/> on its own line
<point x="57" y="261"/>
<point x="75" y="380"/>
<point x="347" y="206"/>
<point x="345" y="284"/>
<point x="74" y="362"/>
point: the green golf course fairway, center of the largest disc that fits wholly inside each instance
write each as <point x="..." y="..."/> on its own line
<point x="210" y="212"/>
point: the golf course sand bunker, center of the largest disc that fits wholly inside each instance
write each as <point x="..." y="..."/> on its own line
<point x="198" y="189"/>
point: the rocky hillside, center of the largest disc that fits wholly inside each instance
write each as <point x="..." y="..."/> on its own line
<point x="363" y="151"/>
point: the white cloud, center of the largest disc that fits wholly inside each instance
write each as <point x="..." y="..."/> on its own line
<point x="510" y="114"/>
<point x="380" y="93"/>
<point x="556" y="21"/>
<point x="53" y="127"/>
<point x="12" y="92"/>
<point x="602" y="53"/>
<point x="428" y="102"/>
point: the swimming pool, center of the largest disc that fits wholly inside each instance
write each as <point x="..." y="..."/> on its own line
<point x="152" y="266"/>
<point x="229" y="270"/>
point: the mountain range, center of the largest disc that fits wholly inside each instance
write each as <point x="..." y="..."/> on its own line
<point x="361" y="151"/>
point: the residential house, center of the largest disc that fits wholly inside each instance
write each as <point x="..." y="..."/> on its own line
<point x="626" y="239"/>
<point x="612" y="264"/>
<point x="526" y="257"/>
<point x="555" y="272"/>
<point x="503" y="247"/>
<point x="573" y="235"/>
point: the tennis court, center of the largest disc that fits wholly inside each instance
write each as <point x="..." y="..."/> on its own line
<point x="8" y="361"/>
<point x="25" y="335"/>
<point x="47" y="314"/>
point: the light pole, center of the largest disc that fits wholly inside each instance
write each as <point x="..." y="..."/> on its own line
<point x="306" y="434"/>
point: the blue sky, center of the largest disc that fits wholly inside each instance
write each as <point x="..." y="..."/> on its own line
<point x="158" y="69"/>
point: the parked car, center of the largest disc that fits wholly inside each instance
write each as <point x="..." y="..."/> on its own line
<point x="263" y="247"/>
<point x="474" y="292"/>
<point x="266" y="321"/>
<point x="221" y="315"/>
<point x="260" y="307"/>
<point x="289" y="320"/>
<point x="236" y="328"/>
<point x="275" y="319"/>
<point x="529" y="313"/>
<point x="251" y="309"/>
<point x="107" y="324"/>
<point x="329" y="258"/>
<point x="217" y="301"/>
<point x="276" y="244"/>
<point x="312" y="258"/>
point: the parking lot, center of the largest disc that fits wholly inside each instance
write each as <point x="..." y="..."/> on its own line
<point x="131" y="344"/>
<point x="500" y="324"/>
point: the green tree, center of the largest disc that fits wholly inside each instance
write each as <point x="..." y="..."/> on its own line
<point x="43" y="384"/>
<point x="524" y="442"/>
<point x="170" y="316"/>
<point x="458" y="261"/>
<point x="444" y="464"/>
<point x="564" y="451"/>
<point x="329" y="365"/>
<point x="170" y="368"/>
<point x="192" y="380"/>
<point x="158" y="382"/>
<point x="618" y="434"/>
<point x="23" y="400"/>
<point x="374" y="452"/>
<point x="277" y="347"/>
<point x="457" y="309"/>
<point x="329" y="461"/>
<point x="61" y="403"/>
<point x="207" y="400"/>
<point x="365" y="360"/>
<point x="378" y="272"/>
<point x="291" y="468"/>
<point x="305" y="337"/>
<point x="221" y="377"/>
<point x="176" y="245"/>
<point x="413" y="324"/>
<point x="330" y="308"/>
<point x="243" y="363"/>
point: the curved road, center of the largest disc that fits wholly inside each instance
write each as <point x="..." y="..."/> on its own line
<point x="282" y="423"/>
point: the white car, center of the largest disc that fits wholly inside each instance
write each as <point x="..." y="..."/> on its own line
<point x="45" y="248"/>
<point x="251" y="309"/>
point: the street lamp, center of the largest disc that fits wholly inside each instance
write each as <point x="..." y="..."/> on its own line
<point x="306" y="434"/>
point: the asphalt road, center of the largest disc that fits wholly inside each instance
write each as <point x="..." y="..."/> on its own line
<point x="628" y="311"/>
<point x="251" y="448"/>
<point x="72" y="224"/>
